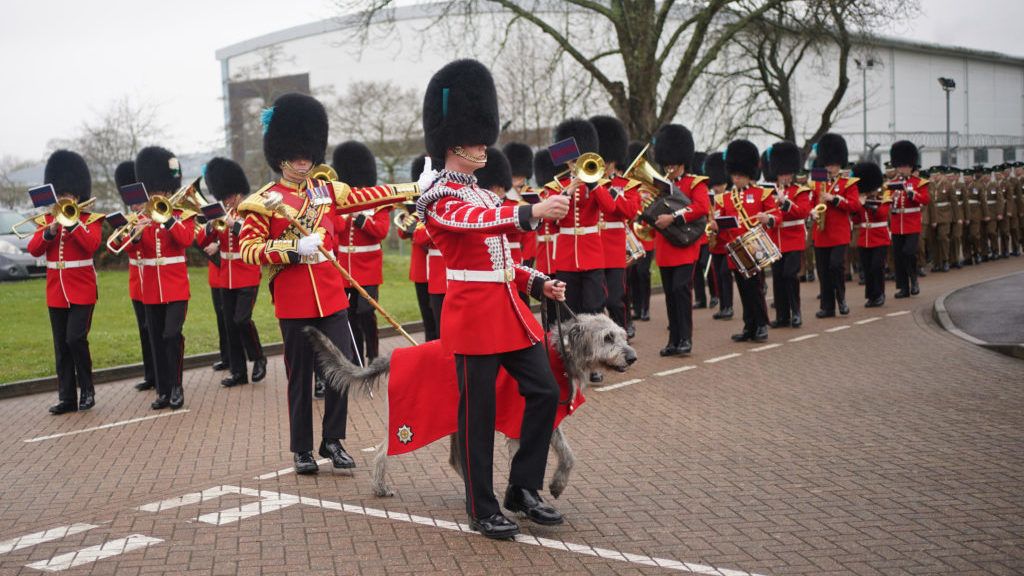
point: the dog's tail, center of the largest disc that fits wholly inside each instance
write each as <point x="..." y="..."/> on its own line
<point x="339" y="372"/>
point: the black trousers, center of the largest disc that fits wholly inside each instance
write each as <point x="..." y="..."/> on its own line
<point x="723" y="279"/>
<point x="638" y="277"/>
<point x="222" y="324"/>
<point x="614" y="302"/>
<point x="677" y="281"/>
<point x="298" y="365"/>
<point x="786" y="285"/>
<point x="436" y="305"/>
<point x="363" y="319"/>
<point x="165" y="322"/>
<point x="585" y="291"/>
<point x="70" y="328"/>
<point x="430" y="325"/>
<point x="904" y="255"/>
<point x="755" y="309"/>
<point x="243" y="338"/>
<point x="147" y="350"/>
<point x="830" y="263"/>
<point x="475" y="438"/>
<point x="699" y="282"/>
<point x="872" y="262"/>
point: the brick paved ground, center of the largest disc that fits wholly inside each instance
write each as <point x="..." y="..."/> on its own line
<point x="886" y="447"/>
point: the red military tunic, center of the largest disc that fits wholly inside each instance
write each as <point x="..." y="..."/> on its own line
<point x="165" y="268"/>
<point x="515" y="239"/>
<point x="905" y="214"/>
<point x="482" y="312"/>
<point x="790" y="234"/>
<point x="420" y="244"/>
<point x="359" y="249"/>
<point x="547" y="238"/>
<point x="233" y="272"/>
<point x="666" y="254"/>
<point x="527" y="239"/>
<point x="579" y="246"/>
<point x="873" y="227"/>
<point x="70" y="275"/>
<point x="613" y="224"/>
<point x="135" y="268"/>
<point x="204" y="239"/>
<point x="837" y="217"/>
<point x="744" y="205"/>
<point x="717" y="247"/>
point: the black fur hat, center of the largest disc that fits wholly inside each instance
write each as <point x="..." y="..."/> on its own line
<point x="698" y="163"/>
<point x="225" y="178"/>
<point x="904" y="153"/>
<point x="673" y="146"/>
<point x="870" y="177"/>
<point x="295" y="127"/>
<point x="611" y="140"/>
<point x="520" y="158"/>
<point x="497" y="171"/>
<point x="741" y="157"/>
<point x="582" y="130"/>
<point x="543" y="168"/>
<point x="784" y="158"/>
<point x="460" y="108"/>
<point x="69" y="174"/>
<point x="832" y="150"/>
<point x="158" y="169"/>
<point x="124" y="174"/>
<point x="765" y="166"/>
<point x="714" y="169"/>
<point x="418" y="163"/>
<point x="355" y="164"/>
<point x="633" y="150"/>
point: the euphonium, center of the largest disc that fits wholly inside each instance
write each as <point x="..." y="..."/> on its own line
<point x="643" y="230"/>
<point x="642" y="171"/>
<point x="65" y="211"/>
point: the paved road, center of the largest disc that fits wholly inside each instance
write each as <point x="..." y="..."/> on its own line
<point x="869" y="444"/>
<point x="990" y="311"/>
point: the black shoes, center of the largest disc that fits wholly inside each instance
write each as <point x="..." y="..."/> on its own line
<point x="901" y="294"/>
<point x="336" y="452"/>
<point x="713" y="303"/>
<point x="304" y="463"/>
<point x="945" y="267"/>
<point x="220" y="365"/>
<point x="876" y="302"/>
<point x="630" y="331"/>
<point x="669" y="350"/>
<point x="914" y="288"/>
<point x="743" y="336"/>
<point x="259" y="369"/>
<point x="797" y="320"/>
<point x="699" y="304"/>
<point x="528" y="502"/>
<point x="234" y="380"/>
<point x="921" y="272"/>
<point x="825" y="314"/>
<point x="596" y="377"/>
<point x="843" y="308"/>
<point x="761" y="334"/>
<point x="645" y="316"/>
<point x="723" y="314"/>
<point x="496" y="527"/>
<point x="63" y="408"/>
<point x="142" y="386"/>
<point x="160" y="403"/>
<point x="685" y="347"/>
<point x="680" y="349"/>
<point x="177" y="399"/>
<point x="779" y="324"/>
<point x="318" y="388"/>
<point x="87" y="401"/>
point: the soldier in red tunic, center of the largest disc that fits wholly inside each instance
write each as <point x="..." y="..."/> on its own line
<point x="839" y="195"/>
<point x="908" y="197"/>
<point x="70" y="280"/>
<point x="789" y="236"/>
<point x="547" y="233"/>
<point x="638" y="275"/>
<point x="872" y="222"/>
<point x="419" y="244"/>
<point x="468" y="224"/>
<point x="520" y="161"/>
<point x="239" y="281"/>
<point x="718" y="181"/>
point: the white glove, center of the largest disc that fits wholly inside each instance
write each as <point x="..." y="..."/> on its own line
<point x="428" y="175"/>
<point x="309" y="245"/>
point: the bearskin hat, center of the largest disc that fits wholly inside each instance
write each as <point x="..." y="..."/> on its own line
<point x="698" y="163"/>
<point x="158" y="169"/>
<point x="225" y="178"/>
<point x="611" y="140"/>
<point x="584" y="133"/>
<point x="460" y="108"/>
<point x="69" y="174"/>
<point x="634" y="148"/>
<point x="714" y="169"/>
<point x="785" y="158"/>
<point x="832" y="150"/>
<point x="294" y="127"/>
<point x="520" y="158"/>
<point x="418" y="163"/>
<point x="497" y="171"/>
<point x="765" y="165"/>
<point x="904" y="153"/>
<point x="741" y="157"/>
<point x="124" y="174"/>
<point x="355" y="164"/>
<point x="870" y="176"/>
<point x="543" y="168"/>
<point x="673" y="146"/>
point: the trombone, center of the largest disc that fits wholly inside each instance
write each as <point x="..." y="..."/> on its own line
<point x="124" y="234"/>
<point x="65" y="212"/>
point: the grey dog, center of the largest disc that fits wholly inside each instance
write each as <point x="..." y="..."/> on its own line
<point x="589" y="342"/>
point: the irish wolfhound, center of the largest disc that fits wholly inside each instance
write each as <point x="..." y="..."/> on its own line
<point x="591" y="342"/>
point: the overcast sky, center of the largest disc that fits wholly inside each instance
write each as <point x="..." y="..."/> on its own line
<point x="65" y="61"/>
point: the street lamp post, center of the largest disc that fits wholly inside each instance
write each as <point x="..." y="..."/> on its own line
<point x="868" y="64"/>
<point x="948" y="85"/>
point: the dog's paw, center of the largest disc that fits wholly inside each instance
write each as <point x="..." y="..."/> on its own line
<point x="556" y="489"/>
<point x="383" y="492"/>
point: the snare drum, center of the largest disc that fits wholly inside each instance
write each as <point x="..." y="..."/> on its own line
<point x="753" y="251"/>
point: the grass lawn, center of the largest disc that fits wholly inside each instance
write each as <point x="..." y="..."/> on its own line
<point x="27" y="346"/>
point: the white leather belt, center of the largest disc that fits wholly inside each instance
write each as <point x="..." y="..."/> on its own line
<point x="612" y="225"/>
<point x="230" y="256"/>
<point x="515" y="245"/>
<point x="937" y="204"/>
<point x="433" y="252"/>
<point x="546" y="238"/>
<point x="134" y="262"/>
<point x="791" y="223"/>
<point x="973" y="202"/>
<point x="65" y="264"/>
<point x="501" y="276"/>
<point x="873" y="224"/>
<point x="578" y="231"/>
<point x="359" y="249"/>
<point x="990" y="202"/>
<point x="906" y="210"/>
<point x="163" y="261"/>
<point x="314" y="258"/>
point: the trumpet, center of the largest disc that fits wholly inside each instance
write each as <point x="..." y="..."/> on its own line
<point x="588" y="168"/>
<point x="65" y="212"/>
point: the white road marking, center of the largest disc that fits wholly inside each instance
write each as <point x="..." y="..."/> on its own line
<point x="370" y="449"/>
<point x="720" y="358"/>
<point x="765" y="347"/>
<point x="900" y="313"/>
<point x="674" y="370"/>
<point x="838" y="328"/>
<point x="192" y="498"/>
<point x="802" y="338"/>
<point x="94" y="553"/>
<point x="271" y="503"/>
<point x="105" y="426"/>
<point x="619" y="385"/>
<point x="286" y="471"/>
<point x="868" y="320"/>
<point x="40" y="537"/>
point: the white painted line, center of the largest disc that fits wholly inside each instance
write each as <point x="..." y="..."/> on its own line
<point x="266" y="504"/>
<point x="105" y="426"/>
<point x="286" y="471"/>
<point x="619" y="385"/>
<point x="190" y="498"/>
<point x="674" y="370"/>
<point x="40" y="537"/>
<point x="94" y="553"/>
<point x="765" y="347"/>
<point x="802" y="338"/>
<point x="868" y="320"/>
<point x="838" y="328"/>
<point x="900" y="313"/>
<point x="370" y="449"/>
<point x="720" y="358"/>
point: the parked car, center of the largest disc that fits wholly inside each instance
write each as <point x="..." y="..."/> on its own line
<point x="15" y="261"/>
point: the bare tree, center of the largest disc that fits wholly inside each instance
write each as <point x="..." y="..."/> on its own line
<point x="12" y="194"/>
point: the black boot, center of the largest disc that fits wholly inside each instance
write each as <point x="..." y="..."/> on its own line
<point x="761" y="334"/>
<point x="161" y="402"/>
<point x="142" y="386"/>
<point x="336" y="452"/>
<point x="234" y="380"/>
<point x="723" y="314"/>
<point x="220" y="365"/>
<point x="843" y="308"/>
<point x="914" y="288"/>
<point x="304" y="463"/>
<point x="63" y="408"/>
<point x="743" y="336"/>
<point x="530" y="503"/>
<point x="797" y="320"/>
<point x="685" y="347"/>
<point x="259" y="369"/>
<point x="177" y="399"/>
<point x="87" y="401"/>
<point x="670" y="349"/>
<point x="496" y="527"/>
<point x="825" y="314"/>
